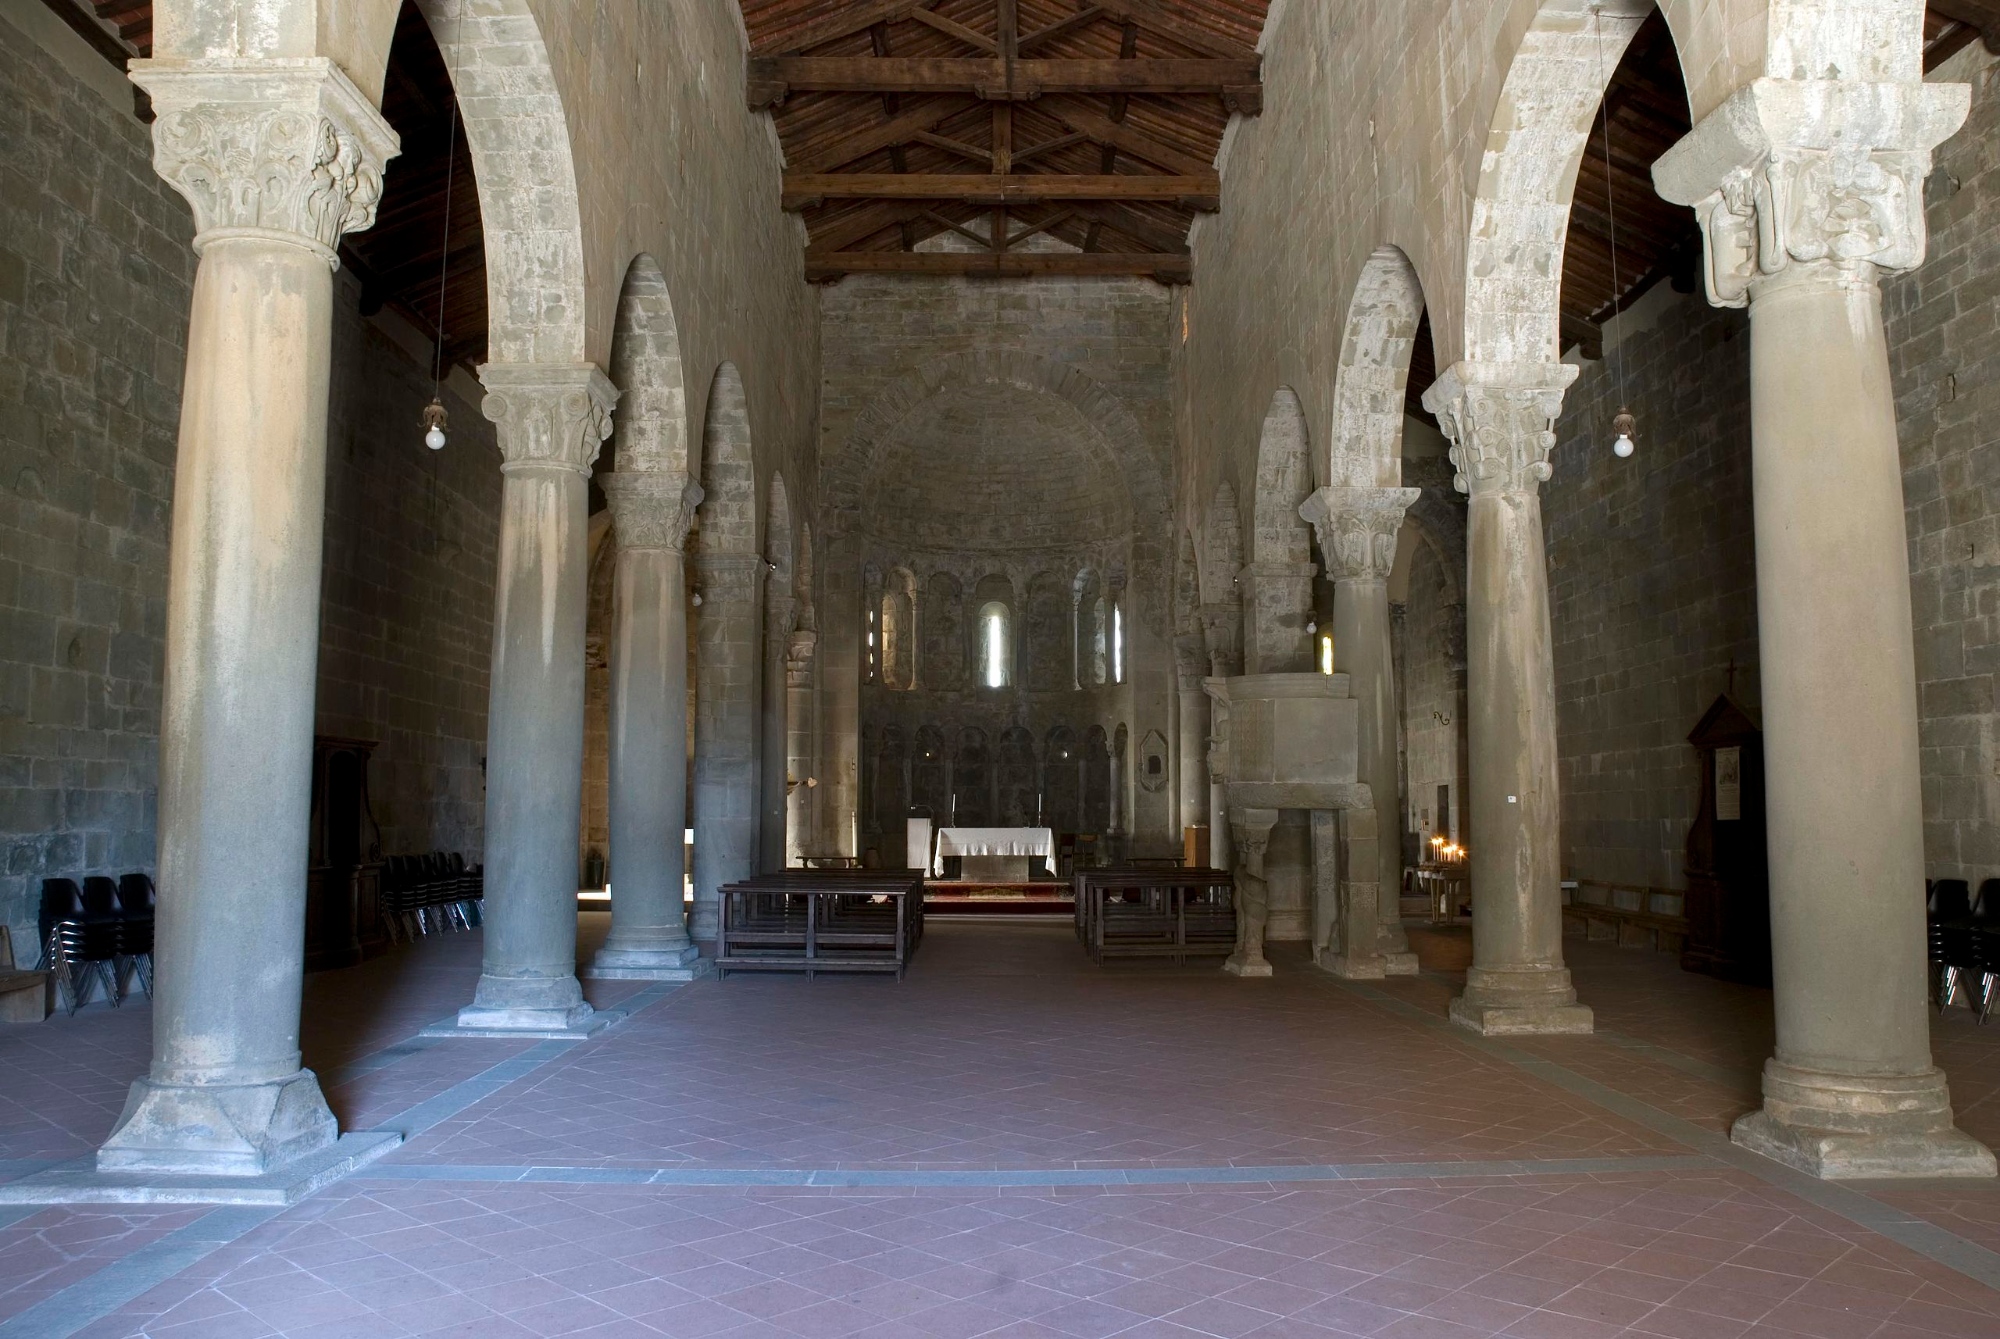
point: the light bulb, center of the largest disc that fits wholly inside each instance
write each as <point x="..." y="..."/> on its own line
<point x="434" y="420"/>
<point x="434" y="439"/>
<point x="1624" y="425"/>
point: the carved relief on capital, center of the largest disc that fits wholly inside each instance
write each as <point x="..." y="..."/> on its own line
<point x="1222" y="629"/>
<point x="551" y="416"/>
<point x="1821" y="175"/>
<point x="1357" y="528"/>
<point x="798" y="657"/>
<point x="282" y="148"/>
<point x="1500" y="421"/>
<point x="651" y="510"/>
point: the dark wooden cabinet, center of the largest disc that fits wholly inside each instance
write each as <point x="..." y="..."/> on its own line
<point x="1728" y="884"/>
<point x="344" y="865"/>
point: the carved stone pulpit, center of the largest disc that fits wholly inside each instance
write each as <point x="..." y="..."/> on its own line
<point x="1292" y="741"/>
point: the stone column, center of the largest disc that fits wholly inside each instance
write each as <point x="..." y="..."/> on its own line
<point x="1807" y="193"/>
<point x="1357" y="530"/>
<point x="278" y="159"/>
<point x="1222" y="625"/>
<point x="727" y="665"/>
<point x="1500" y="422"/>
<point x="779" y="610"/>
<point x="650" y="517"/>
<point x="551" y="418"/>
<point x="800" y="837"/>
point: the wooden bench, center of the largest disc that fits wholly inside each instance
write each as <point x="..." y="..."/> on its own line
<point x="821" y="920"/>
<point x="25" y="996"/>
<point x="1629" y="915"/>
<point x="1137" y="912"/>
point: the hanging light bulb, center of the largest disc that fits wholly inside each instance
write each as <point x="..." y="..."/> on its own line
<point x="1624" y="426"/>
<point x="435" y="420"/>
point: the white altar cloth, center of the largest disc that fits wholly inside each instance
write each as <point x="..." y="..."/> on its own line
<point x="994" y="841"/>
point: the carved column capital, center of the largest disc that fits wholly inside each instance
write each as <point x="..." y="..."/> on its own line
<point x="651" y="510"/>
<point x="1500" y="420"/>
<point x="285" y="150"/>
<point x="1824" y="176"/>
<point x="1357" y="528"/>
<point x="550" y="415"/>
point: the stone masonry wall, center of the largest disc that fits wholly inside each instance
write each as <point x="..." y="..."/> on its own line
<point x="95" y="275"/>
<point x="1652" y="583"/>
<point x="1944" y="349"/>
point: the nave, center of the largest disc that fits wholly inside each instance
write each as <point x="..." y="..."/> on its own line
<point x="1013" y="1142"/>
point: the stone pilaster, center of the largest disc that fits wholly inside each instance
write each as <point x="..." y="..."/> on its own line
<point x="1277" y="605"/>
<point x="651" y="514"/>
<point x="780" y="615"/>
<point x="552" y="418"/>
<point x="1357" y="529"/>
<point x="1192" y="766"/>
<point x="277" y="159"/>
<point x="801" y="729"/>
<point x="1251" y="831"/>
<point x="1500" y="422"/>
<point x="1807" y="191"/>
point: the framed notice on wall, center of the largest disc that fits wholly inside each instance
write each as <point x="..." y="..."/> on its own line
<point x="1729" y="784"/>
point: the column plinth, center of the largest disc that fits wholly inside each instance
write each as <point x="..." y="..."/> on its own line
<point x="278" y="159"/>
<point x="1807" y="191"/>
<point x="1500" y="421"/>
<point x="552" y="418"/>
<point x="651" y="514"/>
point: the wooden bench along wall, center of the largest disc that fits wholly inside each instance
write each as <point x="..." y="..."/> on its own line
<point x="1631" y="915"/>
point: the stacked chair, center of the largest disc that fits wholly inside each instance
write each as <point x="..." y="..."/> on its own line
<point x="1964" y="933"/>
<point x="99" y="933"/>
<point x="430" y="894"/>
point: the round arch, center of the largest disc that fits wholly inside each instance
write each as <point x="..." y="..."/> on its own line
<point x="728" y="513"/>
<point x="651" y="417"/>
<point x="1366" y="443"/>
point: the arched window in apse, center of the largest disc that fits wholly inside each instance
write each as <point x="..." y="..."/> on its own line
<point x="994" y="651"/>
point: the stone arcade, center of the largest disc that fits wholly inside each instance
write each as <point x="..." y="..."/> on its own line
<point x="1182" y="427"/>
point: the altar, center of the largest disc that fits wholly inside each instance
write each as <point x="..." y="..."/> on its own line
<point x="994" y="855"/>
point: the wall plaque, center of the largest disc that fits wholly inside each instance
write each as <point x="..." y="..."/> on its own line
<point x="1729" y="784"/>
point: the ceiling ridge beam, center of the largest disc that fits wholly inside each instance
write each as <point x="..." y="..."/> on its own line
<point x="827" y="266"/>
<point x="772" y="78"/>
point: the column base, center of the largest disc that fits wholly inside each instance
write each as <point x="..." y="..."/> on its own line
<point x="285" y="1184"/>
<point x="527" y="1006"/>
<point x="1243" y="964"/>
<point x="1536" y="1001"/>
<point x="648" y="964"/>
<point x="1400" y="964"/>
<point x="185" y="1129"/>
<point x="1859" y="1127"/>
<point x="1351" y="966"/>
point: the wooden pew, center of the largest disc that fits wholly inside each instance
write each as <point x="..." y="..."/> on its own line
<point x="821" y="920"/>
<point x="1134" y="912"/>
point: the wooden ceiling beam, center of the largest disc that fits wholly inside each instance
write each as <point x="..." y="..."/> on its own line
<point x="1155" y="18"/>
<point x="845" y="148"/>
<point x="1087" y="120"/>
<point x="1055" y="145"/>
<point x="1981" y="14"/>
<point x="845" y="21"/>
<point x="1145" y="231"/>
<point x="1083" y="18"/>
<point x="827" y="266"/>
<point x="772" y="78"/>
<point x="972" y="153"/>
<point x="861" y="225"/>
<point x="958" y="32"/>
<point x="1202" y="191"/>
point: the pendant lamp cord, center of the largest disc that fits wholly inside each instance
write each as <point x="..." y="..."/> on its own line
<point x="1610" y="204"/>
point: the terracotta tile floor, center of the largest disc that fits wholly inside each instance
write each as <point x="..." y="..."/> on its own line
<point x="1005" y="1056"/>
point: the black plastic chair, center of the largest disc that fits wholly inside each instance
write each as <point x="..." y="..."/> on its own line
<point x="1984" y="927"/>
<point x="136" y="902"/>
<point x="79" y="946"/>
<point x="1954" y="947"/>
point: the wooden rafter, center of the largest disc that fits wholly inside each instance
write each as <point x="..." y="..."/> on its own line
<point x="773" y="78"/>
<point x="809" y="191"/>
<point x="825" y="266"/>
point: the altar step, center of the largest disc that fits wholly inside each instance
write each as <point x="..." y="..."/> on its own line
<point x="960" y="898"/>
